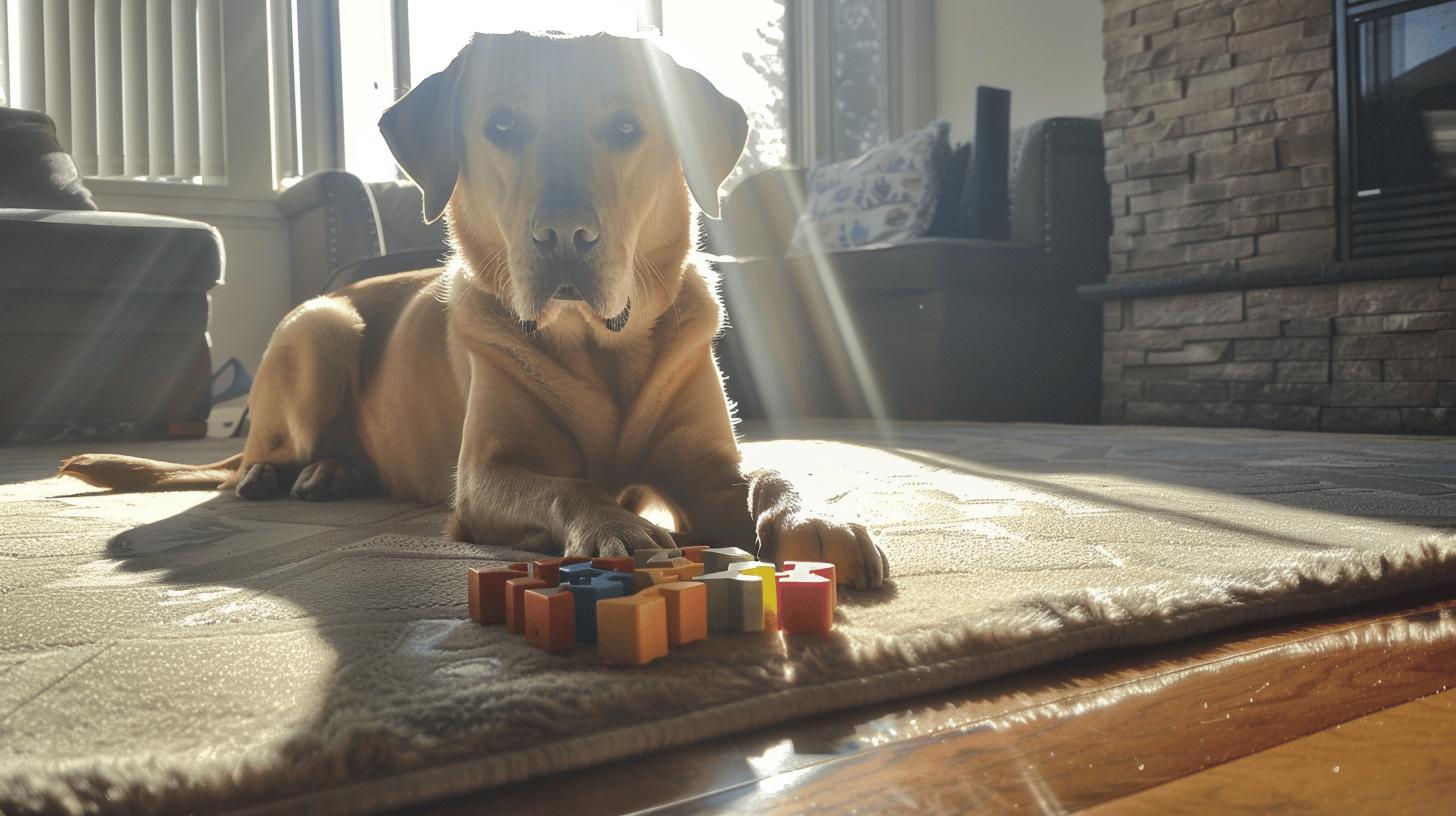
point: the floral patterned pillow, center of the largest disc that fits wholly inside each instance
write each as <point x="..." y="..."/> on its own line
<point x="885" y="195"/>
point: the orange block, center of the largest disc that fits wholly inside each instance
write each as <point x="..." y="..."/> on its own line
<point x="551" y="619"/>
<point x="694" y="554"/>
<point x="547" y="569"/>
<point x="665" y="572"/>
<point x="687" y="611"/>
<point x="624" y="564"/>
<point x="632" y="629"/>
<point x="522" y="566"/>
<point x="515" y="597"/>
<point x="487" y="593"/>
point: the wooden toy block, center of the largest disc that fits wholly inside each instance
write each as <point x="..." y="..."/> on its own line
<point x="487" y="593"/>
<point x="585" y="597"/>
<point x="822" y="569"/>
<point x="769" y="573"/>
<point x="694" y="553"/>
<point x="632" y="629"/>
<point x="717" y="559"/>
<point x="687" y="611"/>
<point x="580" y="573"/>
<point x="548" y="570"/>
<point x="624" y="564"/>
<point x="806" y="600"/>
<point x="521" y="566"/>
<point x="666" y="571"/>
<point x="515" y="597"/>
<point x="735" y="601"/>
<point x="641" y="557"/>
<point x="551" y="619"/>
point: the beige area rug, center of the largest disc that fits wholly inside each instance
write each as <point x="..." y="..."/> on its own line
<point x="192" y="652"/>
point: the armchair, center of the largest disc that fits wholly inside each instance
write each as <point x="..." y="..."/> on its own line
<point x="934" y="328"/>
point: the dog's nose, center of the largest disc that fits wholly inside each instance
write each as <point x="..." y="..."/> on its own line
<point x="565" y="229"/>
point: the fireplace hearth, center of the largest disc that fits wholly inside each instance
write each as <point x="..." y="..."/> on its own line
<point x="1283" y="178"/>
<point x="1396" y="65"/>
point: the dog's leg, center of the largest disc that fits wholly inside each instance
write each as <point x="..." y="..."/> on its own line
<point x="299" y="406"/>
<point x="514" y="506"/>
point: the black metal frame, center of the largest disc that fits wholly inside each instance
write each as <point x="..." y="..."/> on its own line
<point x="1382" y="208"/>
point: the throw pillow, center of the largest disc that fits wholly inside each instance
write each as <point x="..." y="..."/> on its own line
<point x="885" y="195"/>
<point x="35" y="171"/>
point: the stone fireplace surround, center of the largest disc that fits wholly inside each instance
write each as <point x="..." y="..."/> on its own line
<point x="1225" y="305"/>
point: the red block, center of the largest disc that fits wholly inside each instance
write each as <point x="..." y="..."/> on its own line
<point x="821" y="569"/>
<point x="522" y="566"/>
<point x="515" y="597"/>
<point x="694" y="554"/>
<point x="551" y="619"/>
<point x="623" y="564"/>
<point x="806" y="598"/>
<point x="487" y="593"/>
<point x="548" y="570"/>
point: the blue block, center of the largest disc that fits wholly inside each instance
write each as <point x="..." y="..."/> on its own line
<point x="581" y="573"/>
<point x="585" y="597"/>
<point x="626" y="579"/>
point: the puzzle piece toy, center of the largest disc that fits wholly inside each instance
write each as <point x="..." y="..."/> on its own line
<point x="551" y="619"/>
<point x="806" y="597"/>
<point x="632" y="629"/>
<point x="635" y="608"/>
<point x="717" y="559"/>
<point x="487" y="593"/>
<point x="516" y="602"/>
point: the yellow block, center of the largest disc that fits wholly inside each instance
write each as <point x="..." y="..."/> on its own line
<point x="769" y="574"/>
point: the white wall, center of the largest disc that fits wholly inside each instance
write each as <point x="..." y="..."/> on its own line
<point x="1048" y="53"/>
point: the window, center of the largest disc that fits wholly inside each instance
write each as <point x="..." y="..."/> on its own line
<point x="859" y="82"/>
<point x="740" y="45"/>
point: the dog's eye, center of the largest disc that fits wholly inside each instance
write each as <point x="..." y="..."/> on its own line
<point x="623" y="131"/>
<point x="503" y="128"/>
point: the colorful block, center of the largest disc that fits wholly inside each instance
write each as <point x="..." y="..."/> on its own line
<point x="769" y="573"/>
<point x="548" y="570"/>
<point x="551" y="619"/>
<point x="632" y="629"/>
<point x="515" y="597"/>
<point x="822" y="569"/>
<point x="581" y="573"/>
<point x="487" y="593"/>
<point x="585" y="597"/>
<point x="624" y="564"/>
<point x="806" y="598"/>
<point x="667" y="570"/>
<point x="717" y="559"/>
<point x="735" y="601"/>
<point x="641" y="557"/>
<point x="687" y="611"/>
<point x="694" y="553"/>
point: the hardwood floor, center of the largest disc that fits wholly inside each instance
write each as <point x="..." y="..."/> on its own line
<point x="1217" y="723"/>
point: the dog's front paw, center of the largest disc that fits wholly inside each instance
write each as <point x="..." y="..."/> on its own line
<point x="857" y="561"/>
<point x="618" y="538"/>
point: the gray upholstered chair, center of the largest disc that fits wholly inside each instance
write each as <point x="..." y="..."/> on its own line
<point x="947" y="327"/>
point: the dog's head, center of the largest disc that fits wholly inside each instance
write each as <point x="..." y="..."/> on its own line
<point x="565" y="166"/>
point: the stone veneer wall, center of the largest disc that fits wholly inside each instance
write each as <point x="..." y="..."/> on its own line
<point x="1361" y="356"/>
<point x="1220" y="145"/>
<point x="1219" y="132"/>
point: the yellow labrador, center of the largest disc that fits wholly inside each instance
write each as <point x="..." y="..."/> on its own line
<point x="557" y="376"/>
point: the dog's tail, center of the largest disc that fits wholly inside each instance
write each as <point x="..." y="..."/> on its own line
<point x="134" y="474"/>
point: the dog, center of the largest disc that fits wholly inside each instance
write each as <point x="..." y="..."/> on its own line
<point x="556" y="378"/>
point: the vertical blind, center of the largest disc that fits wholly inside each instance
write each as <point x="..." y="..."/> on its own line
<point x="134" y="86"/>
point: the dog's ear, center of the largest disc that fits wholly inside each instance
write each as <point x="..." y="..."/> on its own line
<point x="421" y="130"/>
<point x="709" y="130"/>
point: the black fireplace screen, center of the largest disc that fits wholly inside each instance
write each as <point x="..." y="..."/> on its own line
<point x="1398" y="126"/>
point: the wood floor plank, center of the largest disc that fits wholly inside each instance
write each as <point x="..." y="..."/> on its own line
<point x="1107" y="743"/>
<point x="1061" y="738"/>
<point x="1400" y="760"/>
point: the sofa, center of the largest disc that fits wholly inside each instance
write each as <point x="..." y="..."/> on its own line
<point x="342" y="229"/>
<point x="943" y="327"/>
<point x="103" y="318"/>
